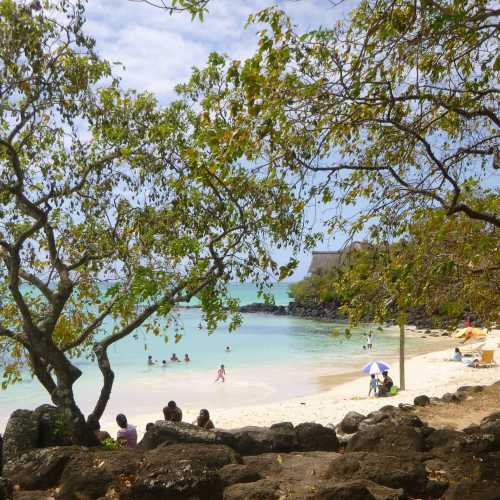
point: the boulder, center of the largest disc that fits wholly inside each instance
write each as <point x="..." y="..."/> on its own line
<point x="54" y="426"/>
<point x="449" y="398"/>
<point x="33" y="495"/>
<point x="492" y="428"/>
<point x="347" y="490"/>
<point x="164" y="433"/>
<point x="250" y="440"/>
<point x="422" y="400"/>
<point x="21" y="434"/>
<point x="373" y="418"/>
<point x="238" y="473"/>
<point x="350" y="423"/>
<point x="474" y="490"/>
<point x="182" y="471"/>
<point x="387" y="438"/>
<point x="40" y="469"/>
<point x="442" y="437"/>
<point x="92" y="473"/>
<point x="265" y="489"/>
<point x="493" y="417"/>
<point x="284" y="437"/>
<point x="470" y="388"/>
<point x="388" y="470"/>
<point x="315" y="437"/>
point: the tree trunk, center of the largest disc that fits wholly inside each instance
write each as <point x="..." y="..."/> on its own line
<point x="402" y="321"/>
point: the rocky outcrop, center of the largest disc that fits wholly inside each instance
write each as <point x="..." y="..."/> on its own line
<point x="393" y="455"/>
<point x="21" y="434"/>
<point x="422" y="400"/>
<point x="350" y="423"/>
<point x="388" y="470"/>
<point x="386" y="438"/>
<point x="163" y="432"/>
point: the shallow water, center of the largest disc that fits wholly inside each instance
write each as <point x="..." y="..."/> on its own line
<point x="272" y="358"/>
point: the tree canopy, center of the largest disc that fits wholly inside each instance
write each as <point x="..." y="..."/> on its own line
<point x="108" y="201"/>
<point x="392" y="110"/>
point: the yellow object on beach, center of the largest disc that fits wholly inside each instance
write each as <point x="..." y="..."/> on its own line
<point x="469" y="332"/>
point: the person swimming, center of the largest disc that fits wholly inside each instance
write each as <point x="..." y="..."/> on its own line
<point x="186" y="358"/>
<point x="175" y="358"/>
<point x="150" y="360"/>
<point x="164" y="364"/>
<point x="228" y="349"/>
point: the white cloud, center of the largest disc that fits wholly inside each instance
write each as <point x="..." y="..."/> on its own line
<point x="159" y="50"/>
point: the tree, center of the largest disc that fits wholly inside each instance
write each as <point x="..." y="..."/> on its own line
<point x="447" y="267"/>
<point x="395" y="109"/>
<point x="197" y="8"/>
<point x="109" y="201"/>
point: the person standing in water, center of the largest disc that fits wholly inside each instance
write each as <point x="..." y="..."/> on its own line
<point x="221" y="374"/>
<point x="369" y="340"/>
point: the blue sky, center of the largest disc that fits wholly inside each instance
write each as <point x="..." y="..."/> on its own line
<point x="158" y="50"/>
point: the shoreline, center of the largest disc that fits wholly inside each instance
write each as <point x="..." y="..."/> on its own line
<point x="428" y="373"/>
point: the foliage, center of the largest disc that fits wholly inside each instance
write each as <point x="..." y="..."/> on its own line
<point x="395" y="109"/>
<point x="111" y="444"/>
<point x="448" y="267"/>
<point x="109" y="201"/>
<point x="316" y="289"/>
<point x="197" y="8"/>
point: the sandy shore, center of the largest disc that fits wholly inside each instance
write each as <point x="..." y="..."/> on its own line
<point x="428" y="374"/>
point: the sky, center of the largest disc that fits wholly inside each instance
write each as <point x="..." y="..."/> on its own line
<point x="159" y="50"/>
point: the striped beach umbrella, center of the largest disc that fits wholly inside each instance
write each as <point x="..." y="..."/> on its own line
<point x="375" y="367"/>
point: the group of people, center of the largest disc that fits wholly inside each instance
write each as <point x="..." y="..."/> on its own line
<point x="127" y="433"/>
<point x="380" y="388"/>
<point x="173" y="359"/>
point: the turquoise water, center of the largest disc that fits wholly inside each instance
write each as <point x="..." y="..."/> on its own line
<point x="277" y="354"/>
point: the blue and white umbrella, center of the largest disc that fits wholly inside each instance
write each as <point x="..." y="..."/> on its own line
<point x="375" y="367"/>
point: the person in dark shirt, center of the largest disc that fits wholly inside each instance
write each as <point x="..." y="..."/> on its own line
<point x="172" y="412"/>
<point x="204" y="421"/>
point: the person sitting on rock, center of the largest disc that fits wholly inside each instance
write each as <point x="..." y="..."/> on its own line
<point x="127" y="433"/>
<point x="385" y="387"/>
<point x="172" y="412"/>
<point x="204" y="421"/>
<point x="96" y="428"/>
<point x="457" y="355"/>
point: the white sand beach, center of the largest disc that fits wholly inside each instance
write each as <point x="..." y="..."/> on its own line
<point x="429" y="374"/>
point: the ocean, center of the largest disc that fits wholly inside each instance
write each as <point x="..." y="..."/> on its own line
<point x="271" y="358"/>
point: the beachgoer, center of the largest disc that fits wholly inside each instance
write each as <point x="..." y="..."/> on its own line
<point x="221" y="374"/>
<point x="150" y="360"/>
<point x="457" y="355"/>
<point x="228" y="349"/>
<point x="164" y="364"/>
<point x="373" y="385"/>
<point x="204" y="421"/>
<point x="175" y="358"/>
<point x="364" y="348"/>
<point x="172" y="412"/>
<point x="186" y="358"/>
<point x="96" y="428"/>
<point x="468" y="323"/>
<point x="369" y="341"/>
<point x="386" y="384"/>
<point x="127" y="433"/>
<point x="149" y="426"/>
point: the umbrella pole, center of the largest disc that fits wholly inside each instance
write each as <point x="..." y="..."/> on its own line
<point x="402" y="321"/>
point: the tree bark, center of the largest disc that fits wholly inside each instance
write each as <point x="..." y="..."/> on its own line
<point x="402" y="321"/>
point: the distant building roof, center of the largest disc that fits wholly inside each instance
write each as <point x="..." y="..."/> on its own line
<point x="324" y="260"/>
